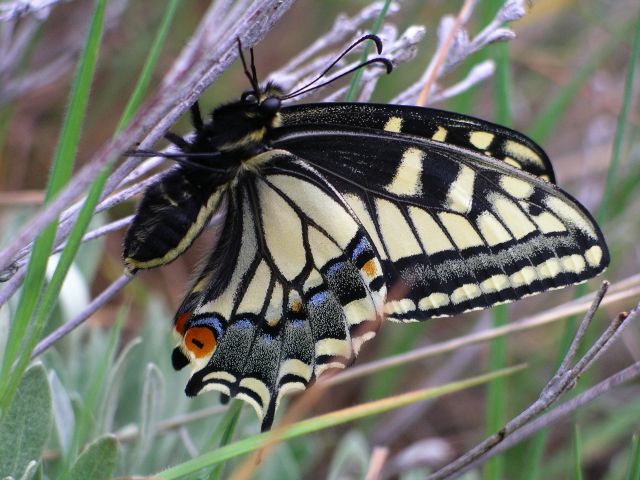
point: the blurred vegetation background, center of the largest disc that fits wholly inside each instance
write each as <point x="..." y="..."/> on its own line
<point x="566" y="73"/>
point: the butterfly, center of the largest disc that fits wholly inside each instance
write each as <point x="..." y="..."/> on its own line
<point x="340" y="215"/>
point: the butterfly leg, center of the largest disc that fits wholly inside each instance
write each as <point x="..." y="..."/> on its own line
<point x="177" y="140"/>
<point x="196" y="116"/>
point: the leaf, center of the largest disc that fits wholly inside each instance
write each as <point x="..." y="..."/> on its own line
<point x="63" y="414"/>
<point x="97" y="462"/>
<point x="352" y="455"/>
<point x="30" y="471"/>
<point x="25" y="427"/>
<point x="150" y="408"/>
<point x="107" y="410"/>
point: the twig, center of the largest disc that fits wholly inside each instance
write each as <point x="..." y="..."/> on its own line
<point x="582" y="328"/>
<point x="543" y="318"/>
<point x="563" y="411"/>
<point x="562" y="381"/>
<point x="20" y="8"/>
<point x="157" y="114"/>
<point x="439" y="58"/>
<point x="89" y="310"/>
<point x="378" y="458"/>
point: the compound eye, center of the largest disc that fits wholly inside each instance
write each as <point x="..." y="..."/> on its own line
<point x="249" y="97"/>
<point x="270" y="105"/>
<point x="200" y="341"/>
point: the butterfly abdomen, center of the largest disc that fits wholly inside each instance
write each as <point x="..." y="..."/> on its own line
<point x="170" y="216"/>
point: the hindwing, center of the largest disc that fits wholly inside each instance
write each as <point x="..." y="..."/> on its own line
<point x="293" y="289"/>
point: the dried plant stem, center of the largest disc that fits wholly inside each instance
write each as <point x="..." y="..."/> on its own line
<point x="153" y="119"/>
<point x="564" y="379"/>
<point x="95" y="304"/>
<point x="20" y="8"/>
<point x="543" y="318"/>
<point x="564" y="410"/>
<point x="379" y="457"/>
<point x="442" y="52"/>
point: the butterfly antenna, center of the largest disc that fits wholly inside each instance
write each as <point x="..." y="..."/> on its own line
<point x="362" y="39"/>
<point x="251" y="75"/>
<point x="384" y="61"/>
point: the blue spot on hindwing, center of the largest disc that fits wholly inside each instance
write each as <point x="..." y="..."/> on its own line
<point x="362" y="245"/>
<point x="335" y="268"/>
<point x="318" y="299"/>
<point x="243" y="324"/>
<point x="212" y="321"/>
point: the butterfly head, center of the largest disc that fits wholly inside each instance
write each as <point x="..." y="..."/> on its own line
<point x="263" y="104"/>
<point x="240" y="129"/>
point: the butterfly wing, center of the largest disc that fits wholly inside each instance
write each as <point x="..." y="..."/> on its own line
<point x="429" y="125"/>
<point x="358" y="199"/>
<point x="293" y="288"/>
<point x="457" y="229"/>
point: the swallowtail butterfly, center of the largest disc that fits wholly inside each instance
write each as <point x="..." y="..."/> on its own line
<point x="330" y="205"/>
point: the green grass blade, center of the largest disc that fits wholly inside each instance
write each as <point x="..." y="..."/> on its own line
<point x="61" y="170"/>
<point x="353" y="88"/>
<point x="623" y="118"/>
<point x="496" y="393"/>
<point x="496" y="399"/>
<point x="322" y="422"/>
<point x="86" y="213"/>
<point x="633" y="467"/>
<point x="150" y="64"/>
<point x="577" y="454"/>
<point x="546" y="120"/>
<point x="225" y="432"/>
<point x="535" y="451"/>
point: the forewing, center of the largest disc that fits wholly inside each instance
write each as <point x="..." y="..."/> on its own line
<point x="456" y="230"/>
<point x="427" y="124"/>
<point x="301" y="290"/>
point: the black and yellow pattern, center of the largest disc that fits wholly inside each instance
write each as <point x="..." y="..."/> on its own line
<point x="329" y="206"/>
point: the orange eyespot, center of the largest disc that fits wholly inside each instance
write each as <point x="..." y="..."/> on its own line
<point x="200" y="341"/>
<point x="180" y="321"/>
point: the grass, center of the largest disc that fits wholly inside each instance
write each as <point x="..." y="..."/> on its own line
<point x="116" y="384"/>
